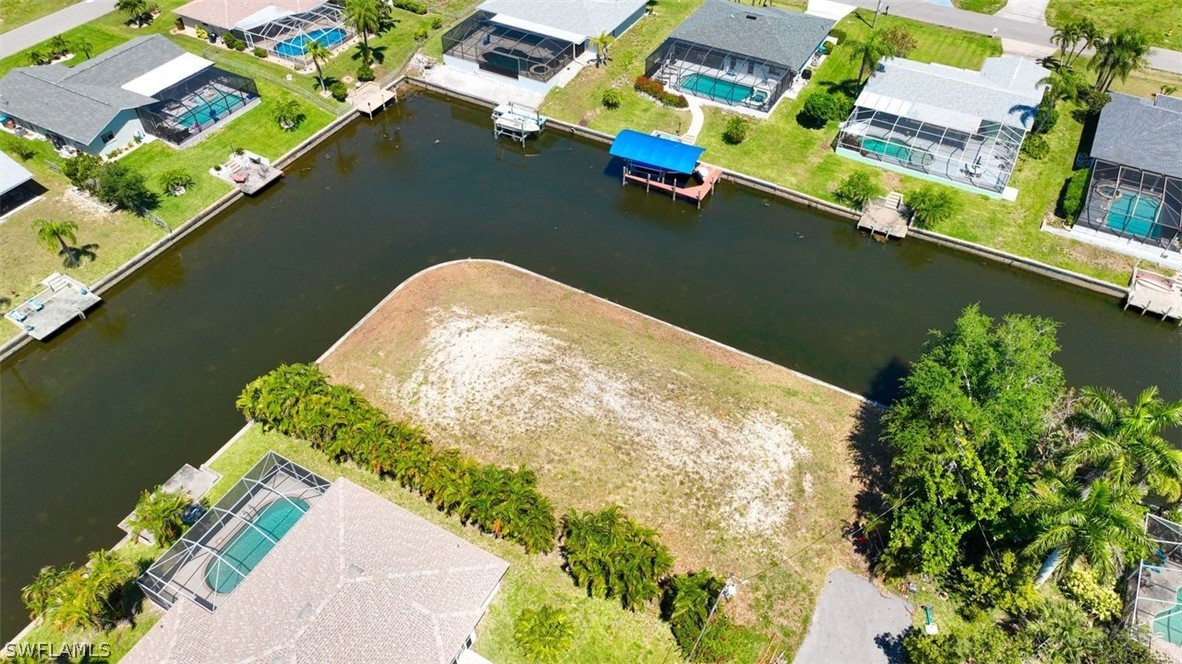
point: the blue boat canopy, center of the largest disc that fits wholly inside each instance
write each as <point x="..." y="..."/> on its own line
<point x="655" y="152"/>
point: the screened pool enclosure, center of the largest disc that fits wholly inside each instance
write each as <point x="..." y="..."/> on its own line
<point x="978" y="153"/>
<point x="1132" y="203"/>
<point x="196" y="104"/>
<point x="718" y="74"/>
<point x="507" y="50"/>
<point x="1154" y="593"/>
<point x="218" y="552"/>
<point x="288" y="37"/>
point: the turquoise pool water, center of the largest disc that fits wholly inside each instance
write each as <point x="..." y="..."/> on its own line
<point x="250" y="546"/>
<point x="716" y="88"/>
<point x="887" y="148"/>
<point x="1133" y="214"/>
<point x="213" y="110"/>
<point x="298" y="45"/>
<point x="1168" y="626"/>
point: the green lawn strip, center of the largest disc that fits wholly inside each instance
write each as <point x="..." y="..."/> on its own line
<point x="121" y="639"/>
<point x="15" y="13"/>
<point x="1160" y="20"/>
<point x="980" y="6"/>
<point x="604" y="632"/>
<point x="101" y="38"/>
<point x="391" y="48"/>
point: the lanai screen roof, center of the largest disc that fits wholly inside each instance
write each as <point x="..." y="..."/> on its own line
<point x="1142" y="133"/>
<point x="656" y="152"/>
<point x="584" y="18"/>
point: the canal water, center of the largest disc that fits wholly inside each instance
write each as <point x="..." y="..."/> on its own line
<point x="116" y="404"/>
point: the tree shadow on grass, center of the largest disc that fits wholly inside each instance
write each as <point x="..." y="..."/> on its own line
<point x="73" y="256"/>
<point x="849" y="87"/>
<point x="377" y="54"/>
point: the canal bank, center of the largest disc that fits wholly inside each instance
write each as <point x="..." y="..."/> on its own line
<point x="148" y="382"/>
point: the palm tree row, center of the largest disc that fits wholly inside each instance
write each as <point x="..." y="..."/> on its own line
<point x="298" y="401"/>
<point x="611" y="556"/>
<point x="81" y="598"/>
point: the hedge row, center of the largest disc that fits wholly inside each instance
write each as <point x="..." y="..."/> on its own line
<point x="656" y="90"/>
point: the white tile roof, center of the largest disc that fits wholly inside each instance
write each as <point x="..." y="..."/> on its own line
<point x="586" y="18"/>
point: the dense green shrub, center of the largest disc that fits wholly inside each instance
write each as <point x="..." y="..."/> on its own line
<point x="436" y="22"/>
<point x="259" y="52"/>
<point x="82" y="170"/>
<point x="421" y="35"/>
<point x="1036" y="147"/>
<point x="544" y="634"/>
<point x="233" y="42"/>
<point x="1073" y="193"/>
<point x="685" y="605"/>
<point x="656" y="90"/>
<point x="412" y="6"/>
<point x="175" y="181"/>
<point x="610" y="555"/>
<point x="81" y="598"/>
<point x="297" y="400"/>
<point x="338" y="90"/>
<point x="160" y="513"/>
<point x="970" y="643"/>
<point x="1005" y="582"/>
<point x="23" y="149"/>
<point x="365" y="72"/>
<point x="931" y="204"/>
<point x="1045" y="118"/>
<point x="820" y="108"/>
<point x="1082" y="586"/>
<point x="736" y="130"/>
<point x="859" y="188"/>
<point x="611" y="99"/>
<point x="124" y="187"/>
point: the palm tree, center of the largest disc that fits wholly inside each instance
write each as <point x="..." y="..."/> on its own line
<point x="601" y="43"/>
<point x="365" y="16"/>
<point x="319" y="54"/>
<point x="38" y="596"/>
<point x="134" y="9"/>
<point x="52" y="233"/>
<point x="1100" y="524"/>
<point x="59" y="46"/>
<point x="1122" y="440"/>
<point x="159" y="513"/>
<point x="544" y="634"/>
<point x="1066" y="37"/>
<point x="1119" y="55"/>
<point x="869" y="51"/>
<point x="106" y="574"/>
<point x="83" y="46"/>
<point x="1063" y="630"/>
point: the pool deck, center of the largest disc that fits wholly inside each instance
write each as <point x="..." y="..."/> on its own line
<point x="1155" y="294"/>
<point x="60" y="303"/>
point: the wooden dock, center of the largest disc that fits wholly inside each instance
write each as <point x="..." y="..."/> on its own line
<point x="250" y="172"/>
<point x="61" y="302"/>
<point x="709" y="175"/>
<point x="1155" y="294"/>
<point x="371" y="98"/>
<point x="884" y="215"/>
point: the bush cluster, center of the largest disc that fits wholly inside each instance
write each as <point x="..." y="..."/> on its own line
<point x="1045" y="118"/>
<point x="297" y="400"/>
<point x="1073" y="193"/>
<point x="23" y="149"/>
<point x="365" y="73"/>
<point x="736" y="130"/>
<point x="859" y="188"/>
<point x="412" y="6"/>
<point x="611" y="99"/>
<point x="436" y="22"/>
<point x="233" y="42"/>
<point x="685" y="605"/>
<point x="88" y="597"/>
<point x="544" y="634"/>
<point x="259" y="52"/>
<point x="656" y="90"/>
<point x="820" y="108"/>
<point x="1004" y="582"/>
<point x="1082" y="586"/>
<point x="611" y="556"/>
<point x="339" y="91"/>
<point x="1036" y="147"/>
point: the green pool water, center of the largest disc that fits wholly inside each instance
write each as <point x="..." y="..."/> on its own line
<point x="1133" y="214"/>
<point x="716" y="88"/>
<point x="1168" y="623"/>
<point x="250" y="546"/>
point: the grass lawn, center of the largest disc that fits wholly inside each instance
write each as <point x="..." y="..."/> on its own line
<point x="1161" y="20"/>
<point x="15" y="13"/>
<point x="980" y="6"/>
<point x="736" y="463"/>
<point x="391" y="49"/>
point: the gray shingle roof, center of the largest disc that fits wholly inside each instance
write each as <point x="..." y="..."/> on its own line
<point x="357" y="579"/>
<point x="1142" y="133"/>
<point x="785" y="37"/>
<point x="80" y="102"/>
<point x="582" y="17"/>
<point x="1006" y="90"/>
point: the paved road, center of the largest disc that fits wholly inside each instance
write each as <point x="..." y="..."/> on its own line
<point x="853" y="622"/>
<point x="1037" y="34"/>
<point x="56" y="23"/>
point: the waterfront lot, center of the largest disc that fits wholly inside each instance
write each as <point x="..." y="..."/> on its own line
<point x="736" y="462"/>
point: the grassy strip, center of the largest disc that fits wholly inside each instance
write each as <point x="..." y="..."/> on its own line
<point x="1161" y="20"/>
<point x="980" y="6"/>
<point x="15" y="13"/>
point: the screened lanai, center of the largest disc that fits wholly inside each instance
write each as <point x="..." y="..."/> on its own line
<point x="287" y="36"/>
<point x="1131" y="203"/>
<point x="196" y="104"/>
<point x="964" y="149"/>
<point x="218" y="552"/>
<point x="719" y="74"/>
<point x="509" y="50"/>
<point x="1154" y="590"/>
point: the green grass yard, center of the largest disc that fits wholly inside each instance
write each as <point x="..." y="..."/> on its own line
<point x="980" y="6"/>
<point x="1161" y="20"/>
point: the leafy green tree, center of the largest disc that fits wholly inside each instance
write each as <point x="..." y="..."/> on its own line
<point x="859" y="188"/>
<point x="931" y="204"/>
<point x="1004" y="581"/>
<point x="867" y="52"/>
<point x="544" y="634"/>
<point x="319" y="55"/>
<point x="736" y="130"/>
<point x="821" y="108"/>
<point x="612" y="556"/>
<point x="968" y="644"/>
<point x="1118" y="56"/>
<point x="159" y="512"/>
<point x="83" y="170"/>
<point x="972" y="409"/>
<point x="601" y="44"/>
<point x="366" y="17"/>
<point x="686" y="605"/>
<point x="122" y="186"/>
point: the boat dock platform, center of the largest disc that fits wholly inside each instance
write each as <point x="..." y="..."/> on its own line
<point x="61" y="302"/>
<point x="884" y="215"/>
<point x="248" y="171"/>
<point x="517" y="121"/>
<point x="665" y="164"/>
<point x="1155" y="294"/>
<point x="371" y="98"/>
<point x="190" y="482"/>
<point x="709" y="176"/>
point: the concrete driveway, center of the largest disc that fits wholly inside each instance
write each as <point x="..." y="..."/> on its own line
<point x="854" y="622"/>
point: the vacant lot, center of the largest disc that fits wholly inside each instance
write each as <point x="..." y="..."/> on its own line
<point x="1161" y="20"/>
<point x="736" y="462"/>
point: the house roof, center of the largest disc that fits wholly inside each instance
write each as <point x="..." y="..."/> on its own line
<point x="79" y="102"/>
<point x="1142" y="133"/>
<point x="785" y="37"/>
<point x="226" y="14"/>
<point x="12" y="174"/>
<point x="354" y="577"/>
<point x="587" y="18"/>
<point x="1006" y="90"/>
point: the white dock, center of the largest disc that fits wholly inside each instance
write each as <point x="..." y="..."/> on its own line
<point x="884" y="215"/>
<point x="371" y="98"/>
<point x="61" y="302"/>
<point x="517" y="121"/>
<point x="1155" y="294"/>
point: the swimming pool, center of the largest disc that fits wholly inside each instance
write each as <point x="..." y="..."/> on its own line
<point x="1168" y="623"/>
<point x="250" y="546"/>
<point x="717" y="89"/>
<point x="1133" y="214"/>
<point x="212" y="110"/>
<point x="897" y="150"/>
<point x="298" y="45"/>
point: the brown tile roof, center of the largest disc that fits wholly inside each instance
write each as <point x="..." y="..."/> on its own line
<point x="355" y="577"/>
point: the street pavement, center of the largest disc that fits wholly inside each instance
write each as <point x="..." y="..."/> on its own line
<point x="56" y="23"/>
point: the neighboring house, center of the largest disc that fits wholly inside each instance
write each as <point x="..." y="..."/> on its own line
<point x="530" y="41"/>
<point x="148" y="86"/>
<point x="12" y="178"/>
<point x="955" y="126"/>
<point x="282" y="28"/>
<point x="738" y="55"/>
<point x="1136" y="185"/>
<point x="288" y="567"/>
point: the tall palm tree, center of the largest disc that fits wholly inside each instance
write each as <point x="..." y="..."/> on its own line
<point x="1062" y="83"/>
<point x="1100" y="524"/>
<point x="319" y="54"/>
<point x="54" y="233"/>
<point x="366" y="16"/>
<point x="106" y="574"/>
<point x="1122" y="440"/>
<point x="1066" y="37"/>
<point x="869" y="51"/>
<point x="1119" y="55"/>
<point x="601" y="43"/>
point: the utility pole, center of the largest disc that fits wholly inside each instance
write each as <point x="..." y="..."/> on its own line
<point x="877" y="9"/>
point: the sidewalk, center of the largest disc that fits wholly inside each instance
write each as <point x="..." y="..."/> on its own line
<point x="56" y="23"/>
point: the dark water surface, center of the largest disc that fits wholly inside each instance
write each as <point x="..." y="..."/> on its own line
<point x="116" y="404"/>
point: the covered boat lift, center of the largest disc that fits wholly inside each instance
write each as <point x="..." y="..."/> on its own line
<point x="665" y="164"/>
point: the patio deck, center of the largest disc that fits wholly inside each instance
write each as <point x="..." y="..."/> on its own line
<point x="710" y="176"/>
<point x="53" y="308"/>
<point x="1155" y="294"/>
